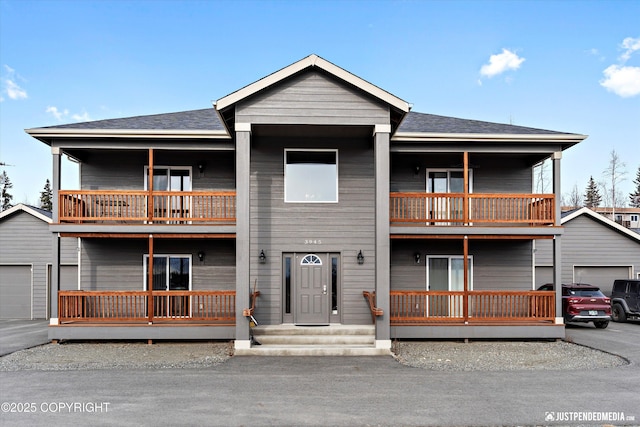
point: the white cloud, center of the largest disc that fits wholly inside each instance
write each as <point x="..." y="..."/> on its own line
<point x="13" y="90"/>
<point x="84" y="117"/>
<point x="500" y="63"/>
<point x="64" y="114"/>
<point x="59" y="115"/>
<point x="631" y="45"/>
<point x="10" y="87"/>
<point x="622" y="80"/>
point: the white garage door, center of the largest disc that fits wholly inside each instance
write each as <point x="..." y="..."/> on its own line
<point x="602" y="277"/>
<point x="15" y="292"/>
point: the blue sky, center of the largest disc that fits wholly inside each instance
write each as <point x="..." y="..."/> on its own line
<point x="571" y="66"/>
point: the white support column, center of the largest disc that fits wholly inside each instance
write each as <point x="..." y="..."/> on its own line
<point x="243" y="174"/>
<point x="381" y="138"/>
<point x="557" y="277"/>
<point x="55" y="239"/>
<point x="557" y="190"/>
<point x="557" y="243"/>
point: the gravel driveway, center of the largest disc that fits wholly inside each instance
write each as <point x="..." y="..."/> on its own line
<point x="431" y="355"/>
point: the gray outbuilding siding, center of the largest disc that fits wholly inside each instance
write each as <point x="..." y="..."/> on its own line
<point x="25" y="240"/>
<point x="589" y="243"/>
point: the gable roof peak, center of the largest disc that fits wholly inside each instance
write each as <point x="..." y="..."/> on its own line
<point x="309" y="62"/>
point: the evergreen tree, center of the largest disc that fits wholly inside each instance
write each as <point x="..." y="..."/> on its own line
<point x="592" y="197"/>
<point x="5" y="196"/>
<point x="46" y="197"/>
<point x="634" y="198"/>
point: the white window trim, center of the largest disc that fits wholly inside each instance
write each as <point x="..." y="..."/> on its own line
<point x="145" y="270"/>
<point x="187" y="168"/>
<point x="450" y="257"/>
<point x="449" y="170"/>
<point x="286" y="150"/>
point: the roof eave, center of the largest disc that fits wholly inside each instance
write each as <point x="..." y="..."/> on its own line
<point x="44" y="134"/>
<point x="570" y="139"/>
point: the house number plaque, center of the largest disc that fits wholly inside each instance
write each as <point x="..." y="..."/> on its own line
<point x="312" y="241"/>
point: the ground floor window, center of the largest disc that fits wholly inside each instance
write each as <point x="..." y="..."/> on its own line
<point x="170" y="272"/>
<point x="446" y="273"/>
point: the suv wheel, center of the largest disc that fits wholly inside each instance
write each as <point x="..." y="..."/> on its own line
<point x="618" y="314"/>
<point x="601" y="324"/>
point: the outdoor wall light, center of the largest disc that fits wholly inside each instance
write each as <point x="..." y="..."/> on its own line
<point x="416" y="257"/>
<point x="263" y="257"/>
<point x="360" y="257"/>
<point x="201" y="256"/>
<point x="416" y="169"/>
<point x="201" y="167"/>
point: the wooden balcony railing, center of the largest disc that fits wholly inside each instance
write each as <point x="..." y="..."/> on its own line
<point x="433" y="307"/>
<point x="85" y="206"/>
<point x="133" y="306"/>
<point x="472" y="209"/>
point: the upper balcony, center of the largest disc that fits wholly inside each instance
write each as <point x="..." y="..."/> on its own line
<point x="471" y="209"/>
<point x="144" y="207"/>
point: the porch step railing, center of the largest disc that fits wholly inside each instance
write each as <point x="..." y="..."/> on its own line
<point x="133" y="306"/>
<point x="432" y="307"/>
<point x="471" y="209"/>
<point x="81" y="206"/>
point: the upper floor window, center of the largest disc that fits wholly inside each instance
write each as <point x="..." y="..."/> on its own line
<point x="634" y="218"/>
<point x="169" y="178"/>
<point x="311" y="176"/>
<point x="447" y="180"/>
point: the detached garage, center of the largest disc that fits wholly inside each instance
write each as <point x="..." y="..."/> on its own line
<point x="25" y="262"/>
<point x="595" y="250"/>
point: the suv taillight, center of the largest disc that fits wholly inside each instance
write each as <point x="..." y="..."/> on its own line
<point x="607" y="301"/>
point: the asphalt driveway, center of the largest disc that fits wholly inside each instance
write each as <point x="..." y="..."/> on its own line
<point x="307" y="391"/>
<point x="18" y="334"/>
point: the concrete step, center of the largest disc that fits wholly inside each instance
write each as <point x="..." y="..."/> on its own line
<point x="313" y="330"/>
<point x="291" y="350"/>
<point x="331" y="340"/>
<point x="316" y="339"/>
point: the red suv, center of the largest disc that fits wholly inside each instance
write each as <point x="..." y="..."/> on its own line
<point x="583" y="303"/>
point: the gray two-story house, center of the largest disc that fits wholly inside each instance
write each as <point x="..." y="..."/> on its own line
<point x="309" y="200"/>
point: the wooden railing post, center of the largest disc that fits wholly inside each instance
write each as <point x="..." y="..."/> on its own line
<point x="150" y="187"/>
<point x="150" y="302"/>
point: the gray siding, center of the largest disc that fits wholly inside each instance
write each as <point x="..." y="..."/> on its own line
<point x="491" y="174"/>
<point x="117" y="264"/>
<point x="124" y="170"/>
<point x="345" y="227"/>
<point x="589" y="243"/>
<point x="25" y="239"/>
<point x="312" y="98"/>
<point x="498" y="265"/>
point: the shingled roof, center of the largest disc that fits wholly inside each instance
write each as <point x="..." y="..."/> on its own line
<point x="430" y="123"/>
<point x="207" y="119"/>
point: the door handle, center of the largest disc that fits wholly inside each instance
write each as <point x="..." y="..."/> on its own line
<point x="324" y="289"/>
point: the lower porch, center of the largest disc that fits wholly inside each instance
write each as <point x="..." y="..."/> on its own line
<point x="206" y="315"/>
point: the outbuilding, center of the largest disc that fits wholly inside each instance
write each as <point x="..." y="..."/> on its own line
<point x="25" y="263"/>
<point x="595" y="250"/>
